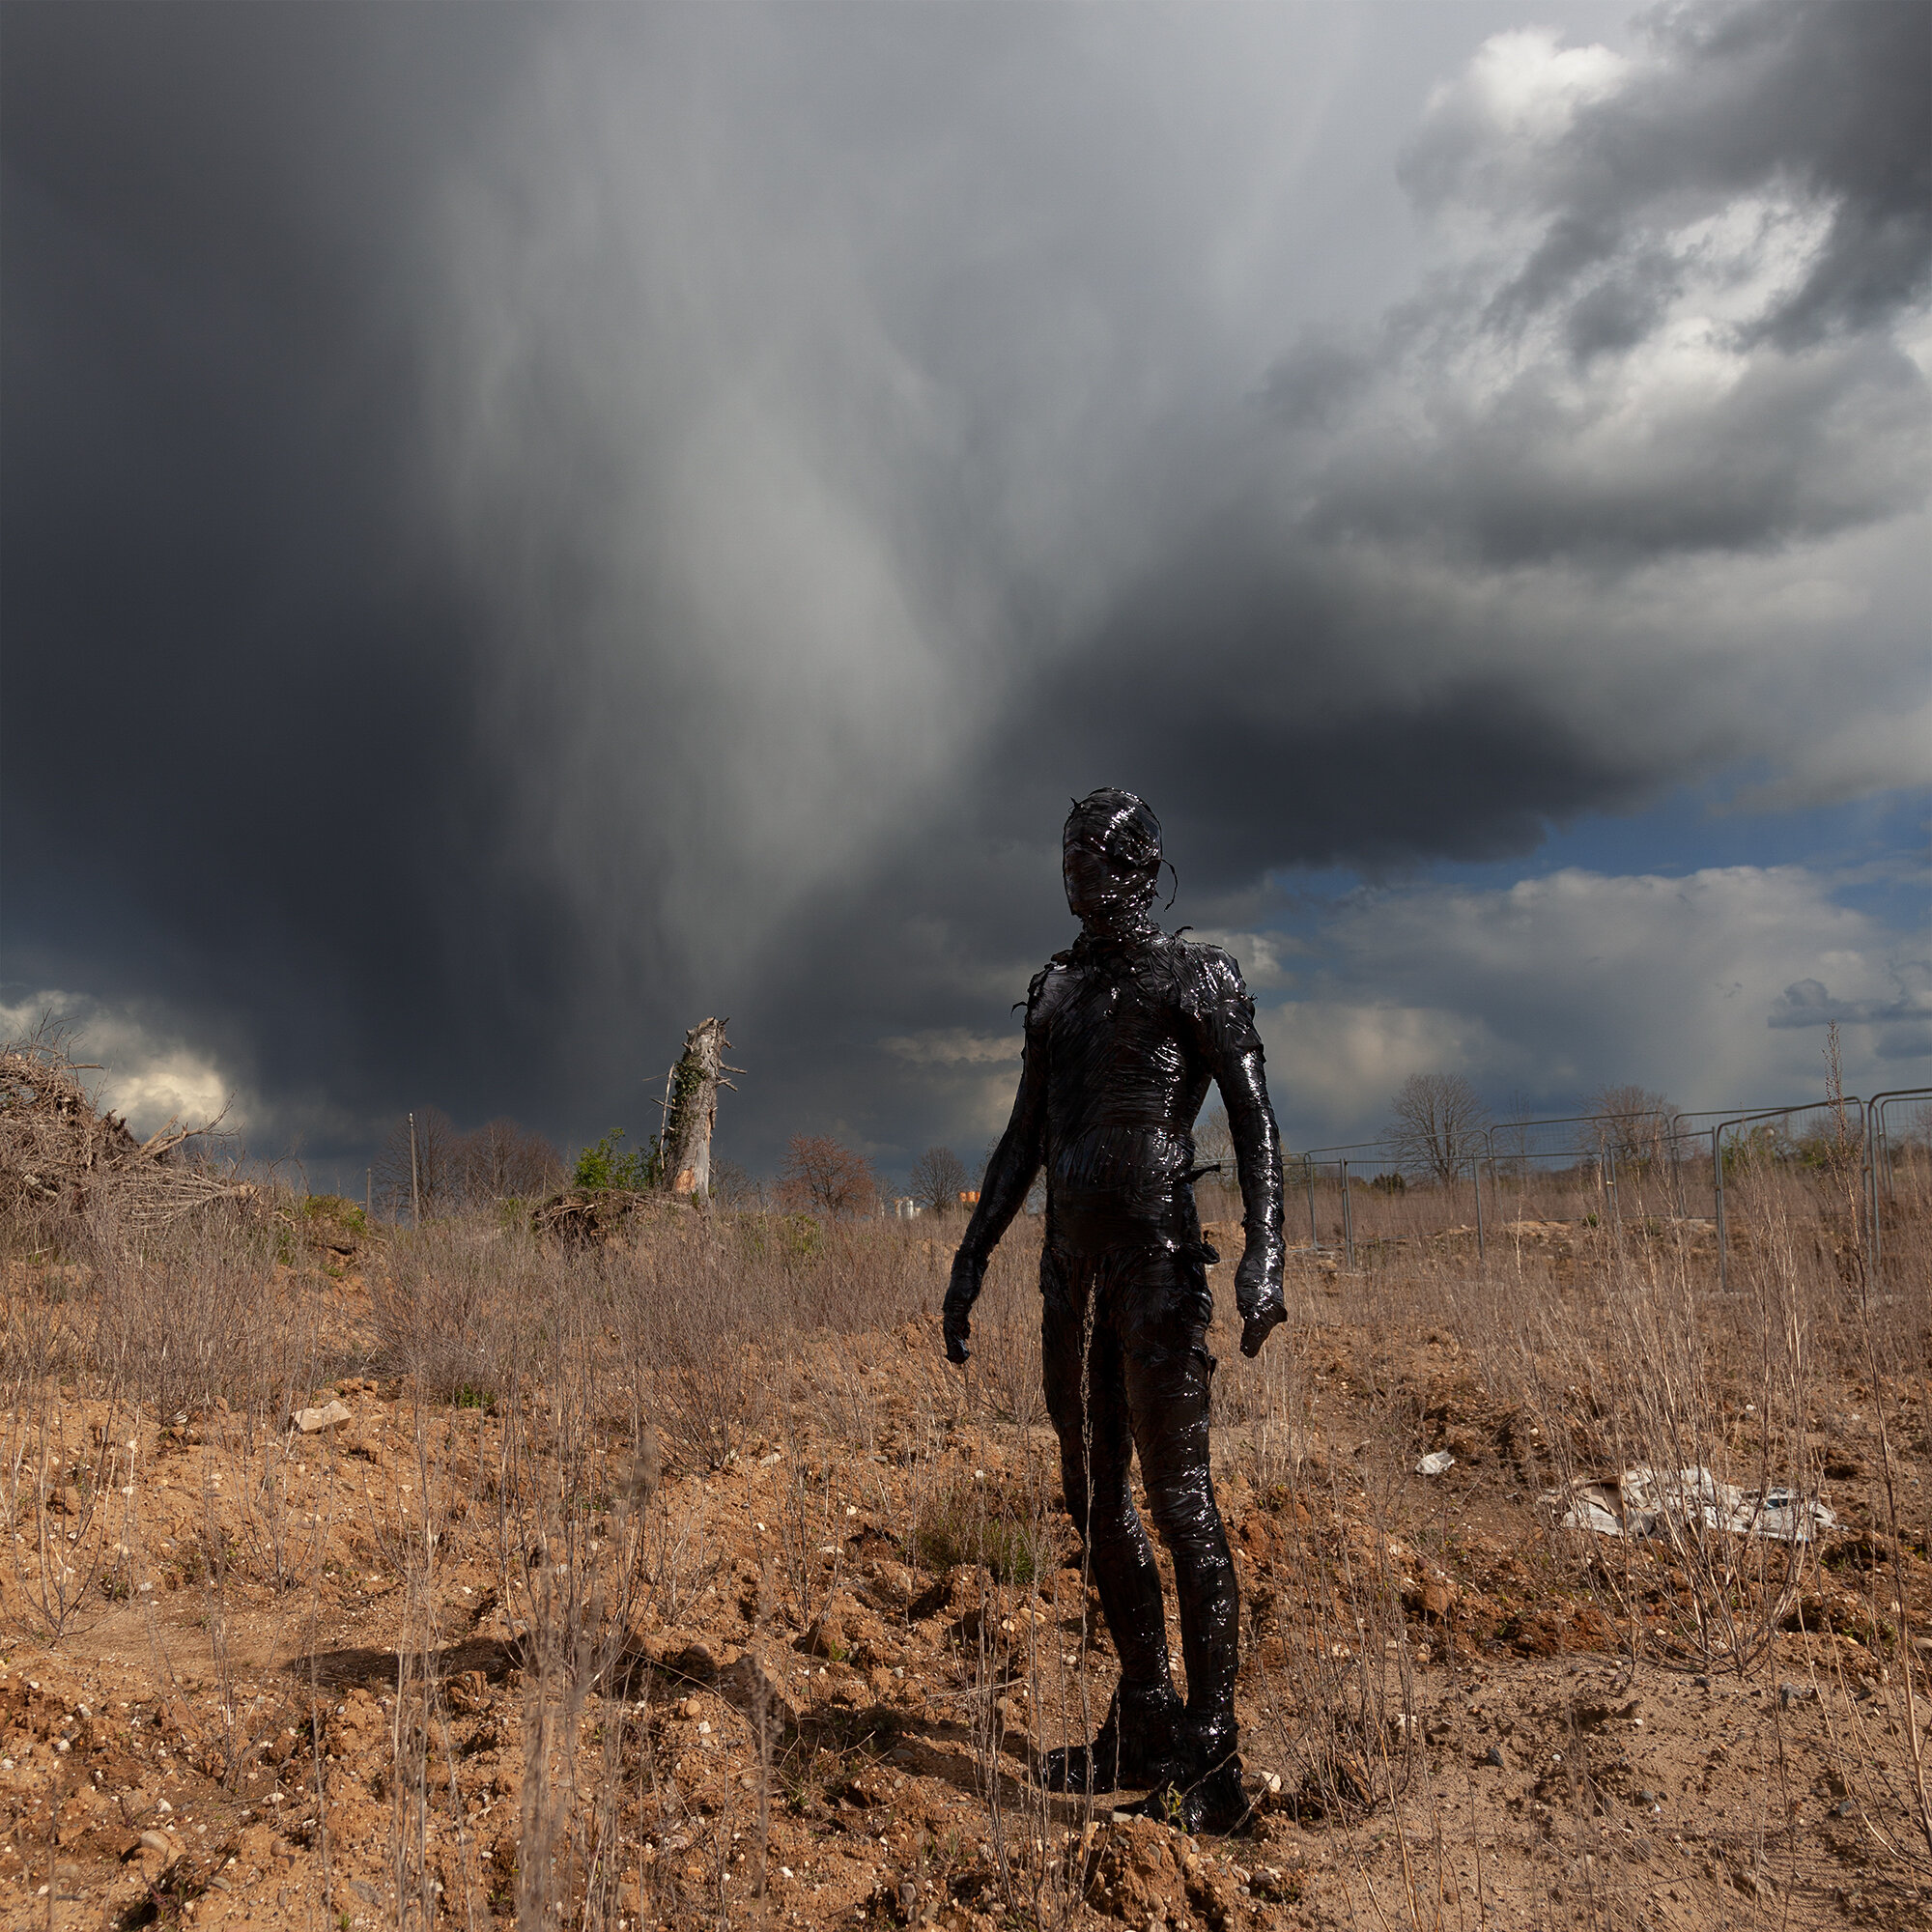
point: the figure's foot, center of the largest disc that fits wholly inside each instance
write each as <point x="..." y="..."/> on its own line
<point x="1203" y="1790"/>
<point x="1134" y="1746"/>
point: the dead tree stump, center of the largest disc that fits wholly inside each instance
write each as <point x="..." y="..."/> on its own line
<point x="691" y="1113"/>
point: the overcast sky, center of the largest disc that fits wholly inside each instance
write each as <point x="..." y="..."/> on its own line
<point x="528" y="526"/>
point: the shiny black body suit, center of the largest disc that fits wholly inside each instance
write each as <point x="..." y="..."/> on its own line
<point x="1123" y="1033"/>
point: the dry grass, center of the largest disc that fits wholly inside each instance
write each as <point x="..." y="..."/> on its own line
<point x="590" y="1465"/>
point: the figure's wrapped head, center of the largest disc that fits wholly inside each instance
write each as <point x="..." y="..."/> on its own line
<point x="1110" y="853"/>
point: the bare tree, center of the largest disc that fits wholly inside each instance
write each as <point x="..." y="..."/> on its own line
<point x="502" y="1161"/>
<point x="1509" y="1143"/>
<point x="1212" y="1143"/>
<point x="432" y="1175"/>
<point x="1633" y="1123"/>
<point x="937" y="1179"/>
<point x="823" y="1178"/>
<point x="1438" y="1125"/>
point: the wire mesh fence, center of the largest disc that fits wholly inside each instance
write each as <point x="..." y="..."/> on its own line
<point x="1658" y="1167"/>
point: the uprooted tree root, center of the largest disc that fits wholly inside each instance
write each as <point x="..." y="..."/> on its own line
<point x="60" y="1154"/>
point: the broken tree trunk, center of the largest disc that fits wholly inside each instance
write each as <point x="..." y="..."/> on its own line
<point x="692" y="1112"/>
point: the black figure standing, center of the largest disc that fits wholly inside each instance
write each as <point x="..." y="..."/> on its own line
<point x="1124" y="1032"/>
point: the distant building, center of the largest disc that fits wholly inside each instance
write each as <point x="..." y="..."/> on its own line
<point x="969" y="1196"/>
<point x="905" y="1208"/>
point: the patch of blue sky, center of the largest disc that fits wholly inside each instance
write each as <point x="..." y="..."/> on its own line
<point x="1876" y="852"/>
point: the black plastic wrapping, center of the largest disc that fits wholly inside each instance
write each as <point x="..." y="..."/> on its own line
<point x="1124" y="1032"/>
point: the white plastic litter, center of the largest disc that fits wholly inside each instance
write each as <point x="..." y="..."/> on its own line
<point x="1648" y="1502"/>
<point x="1434" y="1463"/>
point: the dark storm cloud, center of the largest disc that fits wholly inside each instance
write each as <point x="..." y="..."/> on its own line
<point x="240" y="775"/>
<point x="526" y="527"/>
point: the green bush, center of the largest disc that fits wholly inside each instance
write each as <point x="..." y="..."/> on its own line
<point x="602" y="1166"/>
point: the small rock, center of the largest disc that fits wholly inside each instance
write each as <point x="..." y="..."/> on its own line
<point x="315" y="1421"/>
<point x="1495" y="1756"/>
<point x="1434" y="1463"/>
<point x="1789" y="1693"/>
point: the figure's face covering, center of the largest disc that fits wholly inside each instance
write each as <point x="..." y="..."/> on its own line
<point x="1110" y="856"/>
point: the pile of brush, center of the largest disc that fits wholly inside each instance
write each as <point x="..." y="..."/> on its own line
<point x="61" y="1154"/>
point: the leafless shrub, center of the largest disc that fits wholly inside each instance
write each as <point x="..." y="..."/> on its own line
<point x="502" y="1161"/>
<point x="430" y="1168"/>
<point x="1635" y="1125"/>
<point x="458" y="1305"/>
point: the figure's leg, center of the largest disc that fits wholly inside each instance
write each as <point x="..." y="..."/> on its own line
<point x="1168" y="1374"/>
<point x="1087" y="1400"/>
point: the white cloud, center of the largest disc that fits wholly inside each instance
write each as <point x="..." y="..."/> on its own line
<point x="1710" y="987"/>
<point x="1330" y="1061"/>
<point x="952" y="1046"/>
<point x="1259" y="954"/>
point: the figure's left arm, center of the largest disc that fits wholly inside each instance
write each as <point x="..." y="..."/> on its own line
<point x="1234" y="1049"/>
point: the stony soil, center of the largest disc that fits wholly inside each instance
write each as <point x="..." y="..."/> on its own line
<point x="1453" y="1715"/>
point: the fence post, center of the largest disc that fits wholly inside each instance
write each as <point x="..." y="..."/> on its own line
<point x="415" y="1185"/>
<point x="1348" y="1218"/>
<point x="1878" y="1145"/>
<point x="1874" y="1125"/>
<point x="1476" y="1174"/>
<point x="1718" y="1181"/>
<point x="1314" y="1233"/>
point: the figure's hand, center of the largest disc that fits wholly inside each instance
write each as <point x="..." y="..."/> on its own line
<point x="1260" y="1326"/>
<point x="968" y="1271"/>
<point x="1257" y="1297"/>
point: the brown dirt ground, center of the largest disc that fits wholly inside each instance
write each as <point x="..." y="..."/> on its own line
<point x="211" y="1749"/>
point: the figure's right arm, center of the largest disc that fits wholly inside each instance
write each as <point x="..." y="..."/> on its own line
<point x="1009" y="1176"/>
